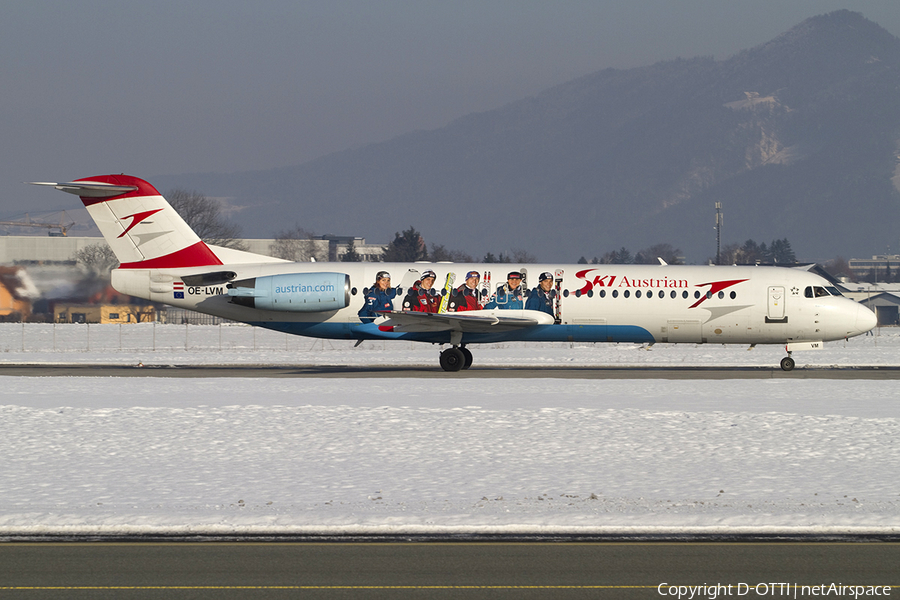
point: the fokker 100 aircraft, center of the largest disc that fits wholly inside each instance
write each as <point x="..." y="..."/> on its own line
<point x="162" y="260"/>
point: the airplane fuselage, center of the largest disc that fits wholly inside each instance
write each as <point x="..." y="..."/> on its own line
<point x="598" y="303"/>
<point x="163" y="260"/>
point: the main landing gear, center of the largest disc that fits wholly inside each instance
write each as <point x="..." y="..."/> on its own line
<point x="456" y="358"/>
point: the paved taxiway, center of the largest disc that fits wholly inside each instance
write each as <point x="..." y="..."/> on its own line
<point x="430" y="569"/>
<point x="405" y="371"/>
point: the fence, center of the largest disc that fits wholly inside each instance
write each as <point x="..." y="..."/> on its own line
<point x="164" y="337"/>
<point x="79" y="337"/>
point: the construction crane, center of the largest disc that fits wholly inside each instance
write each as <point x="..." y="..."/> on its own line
<point x="62" y="228"/>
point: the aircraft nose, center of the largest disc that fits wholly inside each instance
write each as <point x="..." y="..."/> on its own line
<point x="865" y="319"/>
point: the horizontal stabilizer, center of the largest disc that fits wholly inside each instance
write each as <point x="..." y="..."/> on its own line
<point x="89" y="189"/>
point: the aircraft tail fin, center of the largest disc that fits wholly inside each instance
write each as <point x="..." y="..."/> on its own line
<point x="140" y="226"/>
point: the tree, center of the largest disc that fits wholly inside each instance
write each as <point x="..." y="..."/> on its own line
<point x="97" y="259"/>
<point x="296" y="244"/>
<point x="751" y="253"/>
<point x="439" y="253"/>
<point x="204" y="216"/>
<point x="838" y="267"/>
<point x="781" y="252"/>
<point x="617" y="257"/>
<point x="408" y="246"/>
<point x="729" y="254"/>
<point x="516" y="255"/>
<point x="142" y="313"/>
<point x="351" y="255"/>
<point x="651" y="255"/>
<point x="522" y="256"/>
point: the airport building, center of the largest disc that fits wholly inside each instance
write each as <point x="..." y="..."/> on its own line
<point x="882" y="267"/>
<point x="41" y="279"/>
<point x="48" y="250"/>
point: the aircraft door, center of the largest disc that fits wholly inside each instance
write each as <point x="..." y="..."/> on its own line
<point x="776" y="303"/>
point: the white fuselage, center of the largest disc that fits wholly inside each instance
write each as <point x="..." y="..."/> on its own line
<point x="639" y="303"/>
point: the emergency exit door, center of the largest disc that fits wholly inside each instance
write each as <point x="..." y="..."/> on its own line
<point x="776" y="303"/>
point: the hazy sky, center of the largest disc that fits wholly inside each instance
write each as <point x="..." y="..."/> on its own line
<point x="158" y="87"/>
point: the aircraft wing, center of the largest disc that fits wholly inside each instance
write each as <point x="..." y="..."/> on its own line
<point x="476" y="321"/>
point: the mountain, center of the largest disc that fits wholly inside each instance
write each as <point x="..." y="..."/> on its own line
<point x="798" y="138"/>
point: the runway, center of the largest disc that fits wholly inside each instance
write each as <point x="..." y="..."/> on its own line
<point x="437" y="569"/>
<point x="434" y="372"/>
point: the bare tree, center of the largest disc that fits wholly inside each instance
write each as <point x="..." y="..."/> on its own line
<point x="838" y="267"/>
<point x="204" y="215"/>
<point x="522" y="256"/>
<point x="622" y="256"/>
<point x="516" y="255"/>
<point x="296" y="244"/>
<point x="142" y="313"/>
<point x="97" y="259"/>
<point x="651" y="255"/>
<point x="439" y="253"/>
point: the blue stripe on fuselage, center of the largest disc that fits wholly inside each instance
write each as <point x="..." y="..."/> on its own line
<point x="538" y="333"/>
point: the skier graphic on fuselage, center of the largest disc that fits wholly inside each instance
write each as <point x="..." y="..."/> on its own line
<point x="422" y="297"/>
<point x="508" y="295"/>
<point x="378" y="298"/>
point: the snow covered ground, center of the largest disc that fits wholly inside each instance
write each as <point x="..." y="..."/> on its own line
<point x="236" y="455"/>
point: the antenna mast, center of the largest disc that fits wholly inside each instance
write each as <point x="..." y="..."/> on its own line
<point x="720" y="220"/>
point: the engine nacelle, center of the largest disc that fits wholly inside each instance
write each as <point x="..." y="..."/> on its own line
<point x="293" y="292"/>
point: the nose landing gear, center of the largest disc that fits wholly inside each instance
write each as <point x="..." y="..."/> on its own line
<point x="787" y="363"/>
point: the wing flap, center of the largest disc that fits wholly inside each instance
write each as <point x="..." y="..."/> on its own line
<point x="478" y="321"/>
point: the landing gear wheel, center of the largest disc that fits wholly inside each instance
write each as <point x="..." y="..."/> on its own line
<point x="787" y="363"/>
<point x="452" y="359"/>
<point x="467" y="355"/>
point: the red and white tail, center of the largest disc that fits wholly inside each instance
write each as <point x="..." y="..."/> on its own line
<point x="140" y="226"/>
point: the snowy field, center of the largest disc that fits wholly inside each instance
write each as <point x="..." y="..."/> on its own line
<point x="241" y="455"/>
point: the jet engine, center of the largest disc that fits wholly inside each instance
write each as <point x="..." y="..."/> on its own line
<point x="293" y="292"/>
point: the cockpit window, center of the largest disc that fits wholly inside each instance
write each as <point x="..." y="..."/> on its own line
<point x="834" y="291"/>
<point x="815" y="291"/>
